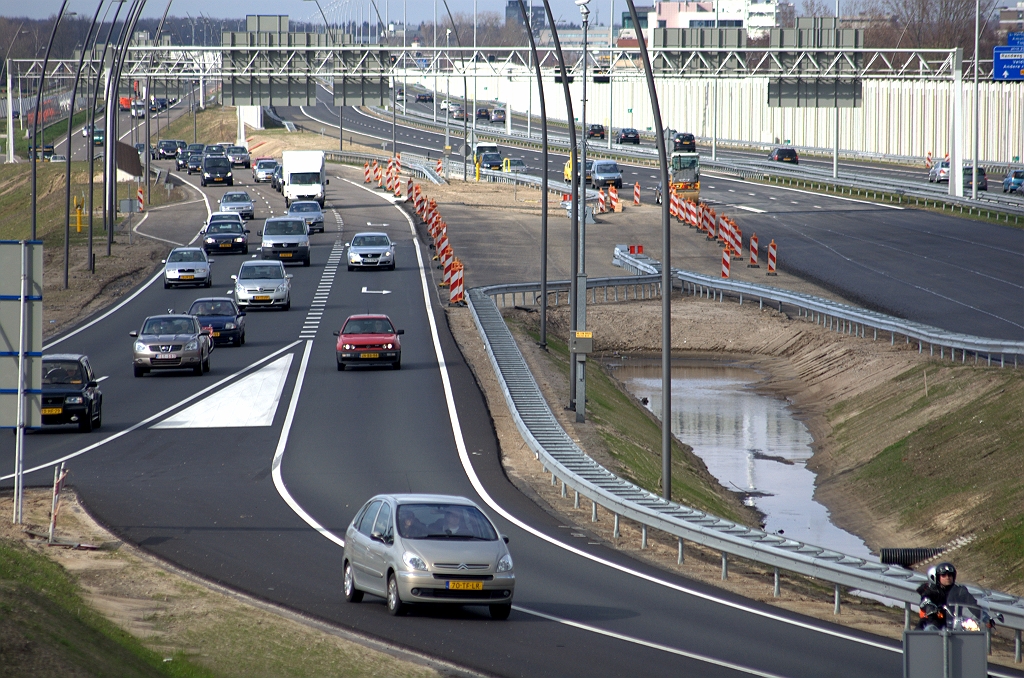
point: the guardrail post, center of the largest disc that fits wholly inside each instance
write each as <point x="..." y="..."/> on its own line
<point x="552" y="478"/>
<point x="1016" y="646"/>
<point x="643" y="536"/>
<point x="680" y="558"/>
<point x="906" y="616"/>
<point x="777" y="589"/>
<point x="564" y="493"/>
<point x="725" y="566"/>
<point x="576" y="499"/>
<point x="836" y="609"/>
<point x="615" y="531"/>
<point x="593" y="511"/>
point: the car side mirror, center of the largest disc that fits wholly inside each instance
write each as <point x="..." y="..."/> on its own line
<point x="326" y="181"/>
<point x="209" y="261"/>
<point x="377" y="536"/>
<point x="347" y="244"/>
<point x="337" y="334"/>
<point x="289" y="276"/>
<point x="400" y="332"/>
<point x="234" y="277"/>
<point x="163" y="261"/>
<point x="247" y="230"/>
<point x="92" y="384"/>
<point x="504" y="538"/>
<point x="133" y="333"/>
<point x="241" y="313"/>
<point x="259" y="233"/>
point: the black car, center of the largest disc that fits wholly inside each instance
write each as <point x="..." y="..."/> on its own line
<point x="217" y="170"/>
<point x="483" y="113"/>
<point x="491" y="161"/>
<point x="628" y="135"/>
<point x="70" y="392"/>
<point x="194" y="163"/>
<point x="225" y="236"/>
<point x="595" y="131"/>
<point x="427" y="98"/>
<point x="222" y="317"/>
<point x="784" y="155"/>
<point x="684" y="142"/>
<point x="276" y="177"/>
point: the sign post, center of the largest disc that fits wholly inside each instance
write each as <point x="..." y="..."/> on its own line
<point x="21" y="345"/>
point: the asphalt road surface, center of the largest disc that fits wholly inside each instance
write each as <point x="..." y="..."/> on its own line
<point x="956" y="274"/>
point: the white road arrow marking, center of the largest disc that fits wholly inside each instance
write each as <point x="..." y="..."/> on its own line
<point x="366" y="291"/>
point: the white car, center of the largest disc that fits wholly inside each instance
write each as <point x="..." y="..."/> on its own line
<point x="263" y="283"/>
<point x="371" y="250"/>
<point x="445" y="104"/>
<point x="187" y="266"/>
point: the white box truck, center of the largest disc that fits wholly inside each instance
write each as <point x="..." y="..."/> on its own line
<point x="304" y="176"/>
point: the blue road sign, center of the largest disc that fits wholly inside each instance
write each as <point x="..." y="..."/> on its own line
<point x="1015" y="39"/>
<point x="1008" y="63"/>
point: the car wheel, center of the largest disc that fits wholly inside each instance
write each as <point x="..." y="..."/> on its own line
<point x="306" y="262"/>
<point x="198" y="370"/>
<point x="397" y="365"/>
<point x="287" y="203"/>
<point x="501" y="611"/>
<point x="341" y="366"/>
<point x="99" y="417"/>
<point x="202" y="183"/>
<point x="209" y="281"/>
<point x="85" y="424"/>
<point x="237" y="341"/>
<point x="206" y="363"/>
<point x="139" y="371"/>
<point x="395" y="605"/>
<point x="287" y="304"/>
<point x="352" y="594"/>
<point x="167" y="285"/>
<point x="246" y="250"/>
<point x="350" y="268"/>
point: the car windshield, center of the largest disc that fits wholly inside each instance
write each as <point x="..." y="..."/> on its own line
<point x="221" y="307"/>
<point x="236" y="197"/>
<point x="1018" y="174"/>
<point x="217" y="163"/>
<point x="370" y="241"/>
<point x="368" y="326"/>
<point x="444" y="521"/>
<point x="195" y="148"/>
<point x="224" y="227"/>
<point x="284" y="228"/>
<point x="304" y="207"/>
<point x="266" y="164"/>
<point x="304" y="178"/>
<point x="606" y="168"/>
<point x="191" y="256"/>
<point x="491" y="157"/>
<point x="261" y="272"/>
<point x="62" y="372"/>
<point x="167" y="145"/>
<point x="629" y="130"/>
<point x="168" y="326"/>
<point x="193" y="156"/>
<point x="237" y="149"/>
<point x="970" y="171"/>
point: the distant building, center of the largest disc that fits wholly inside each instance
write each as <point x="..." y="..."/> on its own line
<point x="756" y="16"/>
<point x="1011" y="20"/>
<point x="513" y="14"/>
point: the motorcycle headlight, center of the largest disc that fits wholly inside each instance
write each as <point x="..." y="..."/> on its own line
<point x="192" y="345"/>
<point x="414" y="561"/>
<point x="505" y="564"/>
<point x="74" y="400"/>
<point x="230" y="326"/>
<point x="139" y="346"/>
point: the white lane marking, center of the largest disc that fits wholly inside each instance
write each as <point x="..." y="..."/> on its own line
<point x="645" y="643"/>
<point x="251" y="401"/>
<point x="467" y="466"/>
<point x="366" y="291"/>
<point x="166" y="410"/>
<point x="749" y="209"/>
<point x="817" y="195"/>
<point x="105" y="376"/>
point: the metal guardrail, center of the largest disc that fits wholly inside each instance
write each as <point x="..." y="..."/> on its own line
<point x="570" y="464"/>
<point x="420" y="169"/>
<point x="834" y="315"/>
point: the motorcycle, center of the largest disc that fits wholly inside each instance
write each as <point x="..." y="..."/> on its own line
<point x="962" y="612"/>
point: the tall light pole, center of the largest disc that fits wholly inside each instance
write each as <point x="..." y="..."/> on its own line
<point x="974" y="152"/>
<point x="448" y="89"/>
<point x="579" y="359"/>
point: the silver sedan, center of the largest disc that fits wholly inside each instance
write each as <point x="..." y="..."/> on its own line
<point x="263" y="283"/>
<point x="239" y="202"/>
<point x="427" y="548"/>
<point x="187" y="266"/>
<point x="371" y="250"/>
<point x="171" y="342"/>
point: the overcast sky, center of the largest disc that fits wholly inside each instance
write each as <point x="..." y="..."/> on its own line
<point x="418" y="10"/>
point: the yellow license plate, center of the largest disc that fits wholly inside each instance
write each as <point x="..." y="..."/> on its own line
<point x="285" y="254"/>
<point x="369" y="355"/>
<point x="216" y="334"/>
<point x="225" y="244"/>
<point x="51" y="410"/>
<point x="217" y="179"/>
<point x="464" y="585"/>
<point x="262" y="297"/>
<point x="186" y="277"/>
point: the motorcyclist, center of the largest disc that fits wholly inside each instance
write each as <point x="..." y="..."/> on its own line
<point x="940" y="590"/>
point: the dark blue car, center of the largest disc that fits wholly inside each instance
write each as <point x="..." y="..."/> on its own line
<point x="71" y="393"/>
<point x="222" y="316"/>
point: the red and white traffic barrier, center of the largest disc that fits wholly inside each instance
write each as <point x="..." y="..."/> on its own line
<point x="773" y="252"/>
<point x="366" y="172"/>
<point x="447" y="259"/>
<point x="691" y="214"/>
<point x="457" y="295"/>
<point x="737" y="235"/>
<point x="928" y="160"/>
<point x="398" y="163"/>
<point x="674" y="206"/>
<point x="440" y="167"/>
<point x="636" y="193"/>
<point x="613" y="196"/>
<point x="408" y="189"/>
<point x="380" y="177"/>
<point x="600" y="201"/>
<point x="725" y="237"/>
<point x="138" y="195"/>
<point x="753" y="252"/>
<point x="726" y="263"/>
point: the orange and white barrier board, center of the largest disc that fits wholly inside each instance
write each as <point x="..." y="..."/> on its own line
<point x="773" y="252"/>
<point x="737" y="235"/>
<point x="398" y="163"/>
<point x="138" y="195"/>
<point x="440" y="166"/>
<point x="447" y="258"/>
<point x="691" y="214"/>
<point x="613" y="198"/>
<point x="457" y="288"/>
<point x="636" y="193"/>
<point x="674" y="206"/>
<point x="600" y="201"/>
<point x="408" y="189"/>
<point x="366" y="172"/>
<point x="725" y="238"/>
<point x="753" y="252"/>
<point x="928" y="160"/>
<point x="726" y="263"/>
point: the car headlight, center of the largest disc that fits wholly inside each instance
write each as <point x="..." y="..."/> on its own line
<point x="388" y="253"/>
<point x="239" y="289"/>
<point x="282" y="287"/>
<point x="352" y="256"/>
<point x="304" y="243"/>
<point x="192" y="345"/>
<point x="505" y="564"/>
<point x="74" y="400"/>
<point x="139" y="346"/>
<point x="210" y="240"/>
<point x="348" y="347"/>
<point x="228" y="174"/>
<point x="389" y="346"/>
<point x="416" y="563"/>
<point x="230" y="326"/>
<point x="239" y="239"/>
<point x="206" y="174"/>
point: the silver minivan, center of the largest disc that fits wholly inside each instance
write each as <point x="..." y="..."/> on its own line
<point x="285" y="239"/>
<point x="427" y="548"/>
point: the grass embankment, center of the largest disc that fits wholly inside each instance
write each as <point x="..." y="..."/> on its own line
<point x="956" y="472"/>
<point x="632" y="437"/>
<point x="47" y="629"/>
<point x="50" y="134"/>
<point x="213" y="125"/>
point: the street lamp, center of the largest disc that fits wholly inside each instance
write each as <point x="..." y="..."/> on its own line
<point x="448" y="89"/>
<point x="580" y="272"/>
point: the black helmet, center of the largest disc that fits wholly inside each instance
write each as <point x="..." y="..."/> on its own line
<point x="941" y="569"/>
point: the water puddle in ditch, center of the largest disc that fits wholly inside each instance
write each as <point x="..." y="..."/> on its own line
<point x="750" y="442"/>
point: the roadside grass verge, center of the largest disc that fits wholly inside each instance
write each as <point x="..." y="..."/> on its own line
<point x="213" y="124"/>
<point x="956" y="472"/>
<point x="631" y="435"/>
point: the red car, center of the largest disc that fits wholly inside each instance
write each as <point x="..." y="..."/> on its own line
<point x="369" y="340"/>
